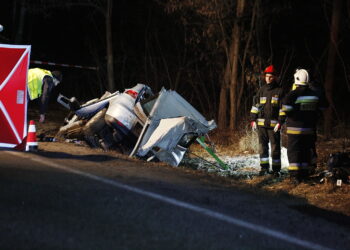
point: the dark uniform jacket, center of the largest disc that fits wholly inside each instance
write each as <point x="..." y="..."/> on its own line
<point x="266" y="105"/>
<point x="47" y="88"/>
<point x="302" y="107"/>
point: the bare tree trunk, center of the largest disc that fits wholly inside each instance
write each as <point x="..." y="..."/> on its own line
<point x="224" y="91"/>
<point x="246" y="49"/>
<point x="22" y="13"/>
<point x="329" y="78"/>
<point x="164" y="61"/>
<point x="14" y="18"/>
<point x="234" y="53"/>
<point x="231" y="74"/>
<point x="222" y="118"/>
<point x="110" y="70"/>
<point x="222" y="114"/>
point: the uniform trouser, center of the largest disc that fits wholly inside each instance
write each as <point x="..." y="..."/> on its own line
<point x="267" y="135"/>
<point x="300" y="151"/>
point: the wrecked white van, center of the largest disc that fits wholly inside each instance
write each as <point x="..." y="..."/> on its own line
<point x="138" y="123"/>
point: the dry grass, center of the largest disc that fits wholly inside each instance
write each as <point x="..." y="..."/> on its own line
<point x="249" y="141"/>
<point x="231" y="143"/>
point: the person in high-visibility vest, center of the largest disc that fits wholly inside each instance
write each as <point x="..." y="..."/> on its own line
<point x="41" y="82"/>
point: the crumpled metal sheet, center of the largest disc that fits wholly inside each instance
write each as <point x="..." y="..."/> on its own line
<point x="171" y="117"/>
<point x="167" y="133"/>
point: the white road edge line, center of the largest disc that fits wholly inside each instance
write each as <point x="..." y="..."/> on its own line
<point x="219" y="216"/>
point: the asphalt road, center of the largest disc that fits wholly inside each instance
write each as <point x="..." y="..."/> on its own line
<point x="61" y="200"/>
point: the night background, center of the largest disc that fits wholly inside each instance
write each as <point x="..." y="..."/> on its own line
<point x="186" y="46"/>
<point x="77" y="179"/>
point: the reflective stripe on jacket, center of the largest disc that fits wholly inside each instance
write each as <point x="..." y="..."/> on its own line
<point x="266" y="105"/>
<point x="302" y="107"/>
<point x="35" y="81"/>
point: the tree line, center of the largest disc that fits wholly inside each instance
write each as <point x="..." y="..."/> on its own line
<point x="211" y="51"/>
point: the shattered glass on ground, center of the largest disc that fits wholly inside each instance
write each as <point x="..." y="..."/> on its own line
<point x="241" y="166"/>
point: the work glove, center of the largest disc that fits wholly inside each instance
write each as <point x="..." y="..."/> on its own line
<point x="277" y="127"/>
<point x="253" y="125"/>
<point x="42" y="118"/>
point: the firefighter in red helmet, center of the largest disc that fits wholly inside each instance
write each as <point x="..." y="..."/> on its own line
<point x="264" y="117"/>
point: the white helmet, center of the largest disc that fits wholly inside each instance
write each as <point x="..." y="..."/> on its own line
<point x="301" y="77"/>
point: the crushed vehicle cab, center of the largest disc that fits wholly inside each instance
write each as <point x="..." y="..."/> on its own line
<point x="138" y="123"/>
<point x="171" y="125"/>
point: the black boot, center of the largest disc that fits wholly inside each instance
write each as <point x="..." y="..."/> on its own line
<point x="263" y="171"/>
<point x="276" y="174"/>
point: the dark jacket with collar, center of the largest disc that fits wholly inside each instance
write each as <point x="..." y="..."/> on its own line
<point x="302" y="107"/>
<point x="266" y="105"/>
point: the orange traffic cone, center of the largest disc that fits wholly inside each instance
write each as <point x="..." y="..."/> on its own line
<point x="32" y="144"/>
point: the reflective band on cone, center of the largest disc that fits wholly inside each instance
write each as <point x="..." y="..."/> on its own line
<point x="32" y="144"/>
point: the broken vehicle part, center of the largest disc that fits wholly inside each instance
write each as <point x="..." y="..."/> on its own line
<point x="139" y="123"/>
<point x="170" y="118"/>
<point x="108" y="122"/>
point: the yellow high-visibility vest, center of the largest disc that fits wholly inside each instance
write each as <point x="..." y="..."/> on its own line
<point x="35" y="81"/>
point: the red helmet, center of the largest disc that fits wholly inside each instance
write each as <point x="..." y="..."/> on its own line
<point x="270" y="70"/>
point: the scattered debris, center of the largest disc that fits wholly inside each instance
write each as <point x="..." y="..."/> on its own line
<point x="43" y="138"/>
<point x="243" y="166"/>
<point x="339" y="167"/>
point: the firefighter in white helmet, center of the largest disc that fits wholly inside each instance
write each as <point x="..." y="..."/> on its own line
<point x="301" y="106"/>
